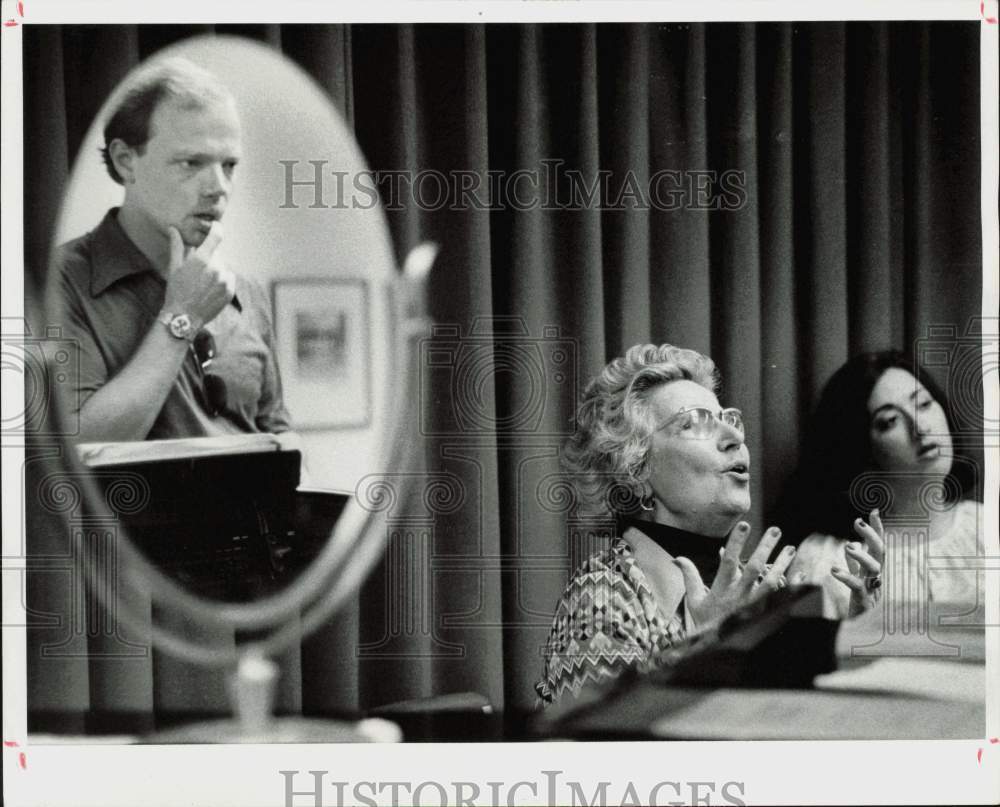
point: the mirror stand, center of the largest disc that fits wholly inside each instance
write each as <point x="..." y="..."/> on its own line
<point x="251" y="693"/>
<point x="352" y="551"/>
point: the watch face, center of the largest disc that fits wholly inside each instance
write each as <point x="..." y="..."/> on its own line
<point x="180" y="326"/>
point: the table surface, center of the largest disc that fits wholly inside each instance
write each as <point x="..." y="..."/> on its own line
<point x="929" y="685"/>
<point x="912" y="686"/>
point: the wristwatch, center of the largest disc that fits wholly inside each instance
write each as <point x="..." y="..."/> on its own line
<point x="179" y="325"/>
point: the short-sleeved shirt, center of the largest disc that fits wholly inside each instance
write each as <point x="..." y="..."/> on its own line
<point x="112" y="296"/>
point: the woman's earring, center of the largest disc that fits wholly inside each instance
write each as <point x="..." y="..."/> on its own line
<point x="646" y="503"/>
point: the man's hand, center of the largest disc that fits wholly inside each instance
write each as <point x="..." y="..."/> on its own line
<point x="198" y="284"/>
<point x="126" y="407"/>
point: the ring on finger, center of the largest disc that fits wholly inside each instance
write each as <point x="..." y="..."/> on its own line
<point x="873" y="583"/>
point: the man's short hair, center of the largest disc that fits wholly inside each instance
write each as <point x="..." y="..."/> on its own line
<point x="176" y="80"/>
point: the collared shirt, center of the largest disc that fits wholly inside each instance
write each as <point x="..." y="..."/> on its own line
<point x="701" y="550"/>
<point x="112" y="296"/>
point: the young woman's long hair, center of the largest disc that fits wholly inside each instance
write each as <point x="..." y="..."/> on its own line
<point x="837" y="449"/>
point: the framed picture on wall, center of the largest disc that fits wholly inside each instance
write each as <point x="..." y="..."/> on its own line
<point x="322" y="342"/>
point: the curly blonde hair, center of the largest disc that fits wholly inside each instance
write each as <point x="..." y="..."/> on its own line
<point x="607" y="457"/>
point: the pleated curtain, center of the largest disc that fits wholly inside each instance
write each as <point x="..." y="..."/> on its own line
<point x="857" y="149"/>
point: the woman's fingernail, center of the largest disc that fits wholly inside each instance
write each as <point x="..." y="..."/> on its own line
<point x="744" y="527"/>
<point x="775" y="532"/>
<point x="860" y="522"/>
<point x="835" y="570"/>
<point x="789" y="550"/>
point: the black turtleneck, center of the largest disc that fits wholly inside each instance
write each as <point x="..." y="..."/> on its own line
<point x="701" y="550"/>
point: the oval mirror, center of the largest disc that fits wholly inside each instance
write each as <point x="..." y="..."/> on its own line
<point x="226" y="506"/>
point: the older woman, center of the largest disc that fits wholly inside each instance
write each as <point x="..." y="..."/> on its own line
<point x="881" y="422"/>
<point x="654" y="449"/>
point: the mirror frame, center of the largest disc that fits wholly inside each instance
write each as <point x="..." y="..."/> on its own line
<point x="358" y="538"/>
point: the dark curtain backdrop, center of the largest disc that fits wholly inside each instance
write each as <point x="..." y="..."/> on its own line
<point x="860" y="148"/>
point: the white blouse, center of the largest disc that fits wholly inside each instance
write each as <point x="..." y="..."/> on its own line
<point x="915" y="566"/>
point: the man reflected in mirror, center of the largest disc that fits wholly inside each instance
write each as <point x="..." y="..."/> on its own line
<point x="172" y="342"/>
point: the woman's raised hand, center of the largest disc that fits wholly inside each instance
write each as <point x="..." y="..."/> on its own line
<point x="736" y="583"/>
<point x="863" y="575"/>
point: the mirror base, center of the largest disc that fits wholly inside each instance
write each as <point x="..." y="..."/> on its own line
<point x="282" y="730"/>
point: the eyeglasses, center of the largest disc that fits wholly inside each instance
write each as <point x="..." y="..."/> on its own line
<point x="215" y="386"/>
<point x="701" y="423"/>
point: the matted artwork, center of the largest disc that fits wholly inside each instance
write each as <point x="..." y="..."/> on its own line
<point x="322" y="342"/>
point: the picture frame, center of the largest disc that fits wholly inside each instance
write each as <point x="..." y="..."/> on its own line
<point x="323" y="346"/>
